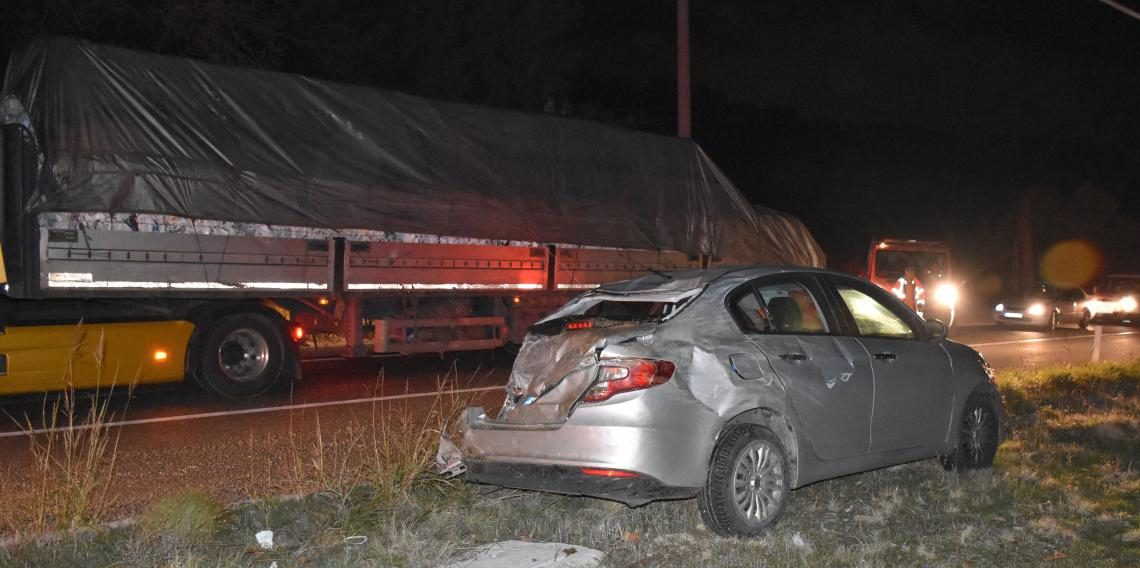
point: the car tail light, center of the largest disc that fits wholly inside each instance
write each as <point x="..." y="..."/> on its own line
<point x="624" y="375"/>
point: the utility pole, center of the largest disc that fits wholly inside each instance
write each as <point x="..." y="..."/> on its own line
<point x="684" y="118"/>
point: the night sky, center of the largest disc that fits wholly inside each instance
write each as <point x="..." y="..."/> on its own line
<point x="925" y="119"/>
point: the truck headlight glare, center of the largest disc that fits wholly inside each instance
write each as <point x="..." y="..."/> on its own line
<point x="946" y="294"/>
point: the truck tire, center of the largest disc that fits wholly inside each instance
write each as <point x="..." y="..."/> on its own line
<point x="241" y="355"/>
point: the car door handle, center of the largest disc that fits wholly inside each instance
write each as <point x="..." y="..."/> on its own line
<point x="885" y="356"/>
<point x="794" y="357"/>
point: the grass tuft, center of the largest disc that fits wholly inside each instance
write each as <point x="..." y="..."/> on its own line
<point x="185" y="519"/>
<point x="73" y="453"/>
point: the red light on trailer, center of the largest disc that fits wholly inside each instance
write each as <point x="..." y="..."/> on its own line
<point x="600" y="472"/>
<point x="298" y="332"/>
<point x="579" y="325"/>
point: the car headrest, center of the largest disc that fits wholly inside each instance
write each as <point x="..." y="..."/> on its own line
<point x="785" y="314"/>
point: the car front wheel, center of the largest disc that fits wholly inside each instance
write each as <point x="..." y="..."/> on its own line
<point x="747" y="486"/>
<point x="977" y="436"/>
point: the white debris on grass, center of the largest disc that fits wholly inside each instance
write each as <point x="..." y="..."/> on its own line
<point x="449" y="460"/>
<point x="265" y="539"/>
<point x="520" y="554"/>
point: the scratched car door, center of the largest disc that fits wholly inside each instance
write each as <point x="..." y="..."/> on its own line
<point x="914" y="380"/>
<point x="827" y="376"/>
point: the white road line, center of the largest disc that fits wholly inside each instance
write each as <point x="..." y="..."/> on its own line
<point x="1044" y="339"/>
<point x="247" y="411"/>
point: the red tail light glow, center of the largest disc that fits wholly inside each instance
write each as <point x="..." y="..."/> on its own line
<point x="597" y="472"/>
<point x="579" y="325"/>
<point x="624" y="375"/>
<point x="297" y="332"/>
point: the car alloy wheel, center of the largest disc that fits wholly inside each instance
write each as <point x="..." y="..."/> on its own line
<point x="758" y="482"/>
<point x="748" y="482"/>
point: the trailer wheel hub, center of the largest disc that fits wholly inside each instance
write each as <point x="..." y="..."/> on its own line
<point x="243" y="355"/>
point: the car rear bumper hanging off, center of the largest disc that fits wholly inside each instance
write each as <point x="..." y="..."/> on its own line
<point x="634" y="490"/>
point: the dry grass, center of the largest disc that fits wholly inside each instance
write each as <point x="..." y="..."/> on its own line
<point x="73" y="452"/>
<point x="1065" y="491"/>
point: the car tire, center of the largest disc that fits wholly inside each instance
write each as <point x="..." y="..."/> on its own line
<point x="1085" y="319"/>
<point x="747" y="486"/>
<point x="240" y="356"/>
<point x="977" y="436"/>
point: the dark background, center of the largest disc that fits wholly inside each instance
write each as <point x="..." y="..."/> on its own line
<point x="926" y="119"/>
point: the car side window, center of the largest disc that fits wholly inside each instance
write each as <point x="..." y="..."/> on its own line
<point x="871" y="316"/>
<point x="747" y="311"/>
<point x="791" y="308"/>
<point x="781" y="307"/>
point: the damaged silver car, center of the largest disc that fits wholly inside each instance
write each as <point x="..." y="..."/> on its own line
<point x="734" y="386"/>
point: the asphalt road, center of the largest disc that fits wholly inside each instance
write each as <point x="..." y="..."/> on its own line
<point x="180" y="437"/>
<point x="341" y="383"/>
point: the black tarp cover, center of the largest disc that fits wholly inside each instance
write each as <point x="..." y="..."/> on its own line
<point x="126" y="131"/>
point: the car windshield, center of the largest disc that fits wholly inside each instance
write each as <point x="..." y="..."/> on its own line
<point x="1123" y="285"/>
<point x="928" y="266"/>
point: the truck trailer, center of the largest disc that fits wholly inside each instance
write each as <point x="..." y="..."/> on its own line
<point x="168" y="219"/>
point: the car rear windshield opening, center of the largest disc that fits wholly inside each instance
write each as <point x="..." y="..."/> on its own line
<point x="630" y="311"/>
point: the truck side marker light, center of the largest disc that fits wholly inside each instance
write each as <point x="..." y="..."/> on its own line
<point x="598" y="472"/>
<point x="323" y="301"/>
<point x="160" y="355"/>
<point x="297" y="332"/>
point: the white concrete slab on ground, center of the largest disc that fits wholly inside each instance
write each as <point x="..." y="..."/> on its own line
<point x="520" y="554"/>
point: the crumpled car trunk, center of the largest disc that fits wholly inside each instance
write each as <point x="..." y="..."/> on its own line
<point x="552" y="371"/>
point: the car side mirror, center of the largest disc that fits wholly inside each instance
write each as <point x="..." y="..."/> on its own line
<point x="936" y="330"/>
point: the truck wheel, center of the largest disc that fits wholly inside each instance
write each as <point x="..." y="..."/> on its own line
<point x="241" y="356"/>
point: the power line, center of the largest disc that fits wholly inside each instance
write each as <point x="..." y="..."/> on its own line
<point x="1121" y="8"/>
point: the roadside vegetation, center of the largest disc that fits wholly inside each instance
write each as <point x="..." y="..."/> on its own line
<point x="74" y="459"/>
<point x="1065" y="491"/>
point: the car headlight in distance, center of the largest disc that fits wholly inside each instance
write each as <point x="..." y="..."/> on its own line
<point x="1128" y="304"/>
<point x="1037" y="310"/>
<point x="999" y="308"/>
<point x="946" y="294"/>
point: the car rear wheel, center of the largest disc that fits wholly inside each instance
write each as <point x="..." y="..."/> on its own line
<point x="747" y="486"/>
<point x="977" y="436"/>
